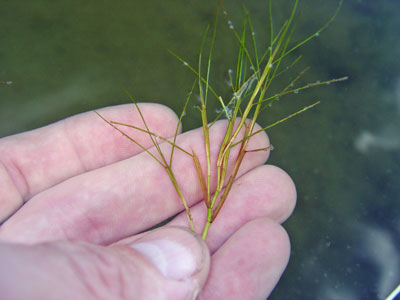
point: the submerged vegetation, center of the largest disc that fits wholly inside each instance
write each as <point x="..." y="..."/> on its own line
<point x="251" y="81"/>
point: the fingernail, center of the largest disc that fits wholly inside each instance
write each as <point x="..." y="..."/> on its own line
<point x="172" y="258"/>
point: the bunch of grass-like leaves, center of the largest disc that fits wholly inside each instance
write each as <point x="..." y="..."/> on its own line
<point x="249" y="99"/>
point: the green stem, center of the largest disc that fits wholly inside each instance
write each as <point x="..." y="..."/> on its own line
<point x="207" y="225"/>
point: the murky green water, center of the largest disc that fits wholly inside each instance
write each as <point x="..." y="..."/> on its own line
<point x="65" y="57"/>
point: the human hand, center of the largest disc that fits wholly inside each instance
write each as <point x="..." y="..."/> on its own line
<point x="89" y="192"/>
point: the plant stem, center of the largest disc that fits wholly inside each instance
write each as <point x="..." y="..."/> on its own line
<point x="207" y="225"/>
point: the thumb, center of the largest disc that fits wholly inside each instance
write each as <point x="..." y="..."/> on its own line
<point x="167" y="263"/>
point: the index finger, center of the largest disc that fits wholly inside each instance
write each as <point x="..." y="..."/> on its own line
<point x="34" y="161"/>
<point x="129" y="196"/>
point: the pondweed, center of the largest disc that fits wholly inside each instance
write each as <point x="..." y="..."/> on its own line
<point x="251" y="82"/>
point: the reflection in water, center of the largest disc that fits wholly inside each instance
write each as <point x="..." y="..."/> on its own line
<point x="394" y="293"/>
<point x="386" y="138"/>
<point x="377" y="255"/>
<point x="380" y="249"/>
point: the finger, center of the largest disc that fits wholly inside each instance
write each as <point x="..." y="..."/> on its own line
<point x="33" y="161"/>
<point x="249" y="264"/>
<point x="124" y="198"/>
<point x="266" y="191"/>
<point x="169" y="263"/>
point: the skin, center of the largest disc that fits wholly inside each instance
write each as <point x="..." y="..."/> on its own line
<point x="76" y="195"/>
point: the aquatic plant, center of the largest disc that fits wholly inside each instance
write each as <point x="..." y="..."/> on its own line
<point x="251" y="82"/>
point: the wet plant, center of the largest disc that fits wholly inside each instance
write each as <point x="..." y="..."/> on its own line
<point x="251" y="81"/>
